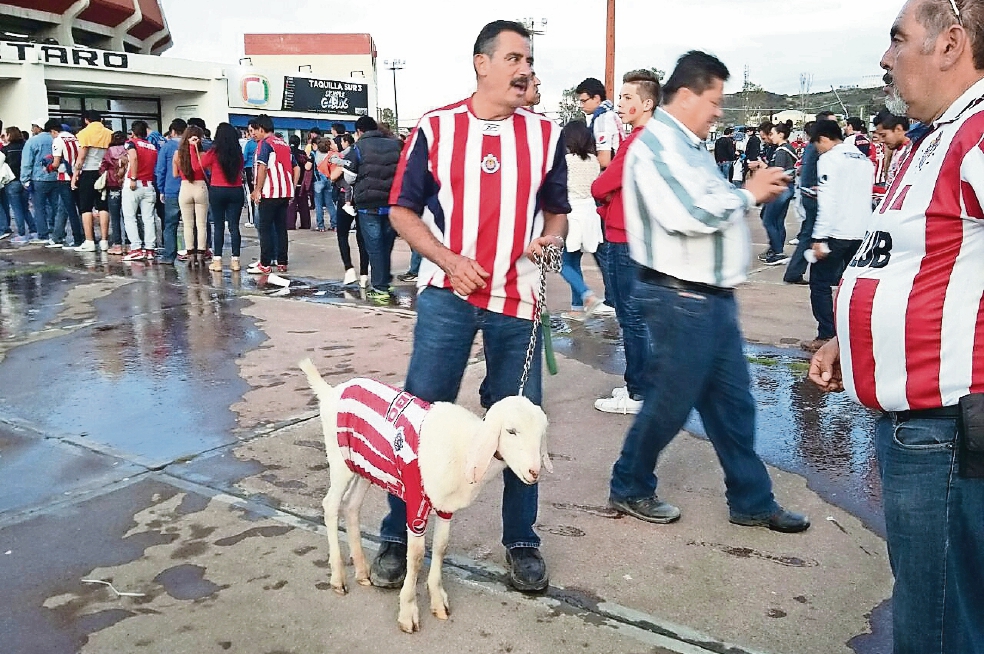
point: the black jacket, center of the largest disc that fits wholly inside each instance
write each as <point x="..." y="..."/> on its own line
<point x="374" y="159"/>
<point x="724" y="150"/>
<point x="753" y="149"/>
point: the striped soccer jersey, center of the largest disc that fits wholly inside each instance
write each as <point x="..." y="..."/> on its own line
<point x="607" y="128"/>
<point x="66" y="146"/>
<point x="274" y="153"/>
<point x="480" y="185"/>
<point x="910" y="312"/>
<point x="379" y="434"/>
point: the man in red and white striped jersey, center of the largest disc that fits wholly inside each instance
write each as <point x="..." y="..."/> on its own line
<point x="64" y="152"/>
<point x="276" y="174"/>
<point x="910" y="325"/>
<point x="472" y="182"/>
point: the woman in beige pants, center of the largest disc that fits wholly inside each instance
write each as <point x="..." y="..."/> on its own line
<point x="193" y="195"/>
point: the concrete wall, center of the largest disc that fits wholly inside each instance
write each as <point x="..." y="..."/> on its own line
<point x="23" y="94"/>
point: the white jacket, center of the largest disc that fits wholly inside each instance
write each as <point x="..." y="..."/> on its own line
<point x="844" y="193"/>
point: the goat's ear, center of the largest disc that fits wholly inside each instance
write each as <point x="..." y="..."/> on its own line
<point x="483" y="447"/>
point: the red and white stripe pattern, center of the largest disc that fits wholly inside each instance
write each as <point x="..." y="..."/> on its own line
<point x="379" y="433"/>
<point x="66" y="146"/>
<point x="910" y="312"/>
<point x="274" y="153"/>
<point x="488" y="175"/>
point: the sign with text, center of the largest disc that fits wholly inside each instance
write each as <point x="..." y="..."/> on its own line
<point x="323" y="96"/>
<point x="60" y="55"/>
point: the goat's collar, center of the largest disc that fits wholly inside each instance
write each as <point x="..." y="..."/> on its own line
<point x="498" y="456"/>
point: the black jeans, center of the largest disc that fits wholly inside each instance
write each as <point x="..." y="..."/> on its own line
<point x="344" y="225"/>
<point x="826" y="273"/>
<point x="226" y="204"/>
<point x="797" y="263"/>
<point x="271" y="225"/>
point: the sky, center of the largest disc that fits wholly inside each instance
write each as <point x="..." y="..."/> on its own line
<point x="837" y="41"/>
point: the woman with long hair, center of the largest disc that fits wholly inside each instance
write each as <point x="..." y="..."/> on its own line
<point x="225" y="161"/>
<point x="584" y="225"/>
<point x="14" y="190"/>
<point x="193" y="195"/>
<point x="115" y="173"/>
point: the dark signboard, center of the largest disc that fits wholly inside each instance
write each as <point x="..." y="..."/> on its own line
<point x="323" y="96"/>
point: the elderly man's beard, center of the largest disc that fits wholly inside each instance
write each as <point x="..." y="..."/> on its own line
<point x="894" y="101"/>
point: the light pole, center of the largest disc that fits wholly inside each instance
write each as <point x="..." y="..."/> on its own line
<point x="535" y="26"/>
<point x="395" y="65"/>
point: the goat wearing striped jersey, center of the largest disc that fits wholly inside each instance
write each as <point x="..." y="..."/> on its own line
<point x="438" y="455"/>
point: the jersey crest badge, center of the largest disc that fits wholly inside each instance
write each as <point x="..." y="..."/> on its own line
<point x="490" y="164"/>
<point x="930" y="151"/>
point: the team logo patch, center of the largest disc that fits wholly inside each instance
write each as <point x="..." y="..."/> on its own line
<point x="490" y="164"/>
<point x="399" y="440"/>
<point x="603" y="139"/>
<point x="929" y="152"/>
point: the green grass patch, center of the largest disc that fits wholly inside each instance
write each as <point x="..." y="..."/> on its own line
<point x="763" y="361"/>
<point x="799" y="366"/>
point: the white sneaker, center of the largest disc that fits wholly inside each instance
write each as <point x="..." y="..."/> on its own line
<point x="104" y="245"/>
<point x="52" y="243"/>
<point x="87" y="246"/>
<point x="363" y="280"/>
<point x="622" y="404"/>
<point x="350" y="277"/>
<point x="793" y="241"/>
<point x="621" y="391"/>
<point x="602" y="309"/>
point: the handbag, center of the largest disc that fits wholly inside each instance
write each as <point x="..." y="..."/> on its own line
<point x="6" y="175"/>
<point x="100" y="183"/>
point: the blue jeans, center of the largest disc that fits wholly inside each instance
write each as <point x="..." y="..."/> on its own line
<point x="824" y="274"/>
<point x="379" y="236"/>
<point x="322" y="199"/>
<point x="601" y="258"/>
<point x="415" y="260"/>
<point x="442" y="340"/>
<point x="45" y="207"/>
<point x="571" y="272"/>
<point x="727" y="169"/>
<point x="774" y="220"/>
<point x="114" y="204"/>
<point x="271" y="227"/>
<point x="4" y="215"/>
<point x="172" y="216"/>
<point x="797" y="263"/>
<point x="933" y="519"/>
<point x="623" y="273"/>
<point x="226" y="205"/>
<point x="17" y="201"/>
<point x="696" y="362"/>
<point x="69" y="212"/>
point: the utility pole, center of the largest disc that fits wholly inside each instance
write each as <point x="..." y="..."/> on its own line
<point x="837" y="95"/>
<point x="536" y="27"/>
<point x="610" y="52"/>
<point x="395" y="65"/>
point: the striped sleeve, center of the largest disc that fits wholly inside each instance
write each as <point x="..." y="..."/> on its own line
<point x="414" y="185"/>
<point x="972" y="181"/>
<point x="705" y="201"/>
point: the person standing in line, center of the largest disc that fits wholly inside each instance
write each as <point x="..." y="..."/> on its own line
<point x="276" y="176"/>
<point x="139" y="197"/>
<point x="16" y="197"/>
<point x="638" y="100"/>
<point x="299" y="209"/>
<point x="249" y="159"/>
<point x="373" y="160"/>
<point x="193" y="193"/>
<point x="845" y="177"/>
<point x="347" y="219"/>
<point x="725" y="153"/>
<point x="583" y="223"/>
<point x="477" y="273"/>
<point x="37" y="178"/>
<point x="323" y="202"/>
<point x="93" y="141"/>
<point x="64" y="153"/>
<point x="114" y="165"/>
<point x="856" y="134"/>
<point x="753" y="152"/>
<point x="909" y="325"/>
<point x="169" y="188"/>
<point x="224" y="161"/>
<point x="774" y="214"/>
<point x="687" y="230"/>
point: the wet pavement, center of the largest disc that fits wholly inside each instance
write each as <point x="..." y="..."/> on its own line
<point x="124" y="388"/>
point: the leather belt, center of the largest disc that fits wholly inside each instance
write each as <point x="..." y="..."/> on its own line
<point x="650" y="276"/>
<point x="920" y="414"/>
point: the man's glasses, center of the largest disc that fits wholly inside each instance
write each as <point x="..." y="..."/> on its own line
<point x="956" y="10"/>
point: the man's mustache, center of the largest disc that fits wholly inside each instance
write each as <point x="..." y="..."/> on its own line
<point x="520" y="82"/>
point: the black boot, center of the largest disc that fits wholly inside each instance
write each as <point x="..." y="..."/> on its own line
<point x="527" y="570"/>
<point x="389" y="568"/>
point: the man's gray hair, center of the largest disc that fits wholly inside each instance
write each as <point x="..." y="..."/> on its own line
<point x="937" y="16"/>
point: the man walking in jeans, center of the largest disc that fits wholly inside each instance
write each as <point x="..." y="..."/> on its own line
<point x="476" y="231"/>
<point x="909" y="326"/>
<point x="373" y="161"/>
<point x="687" y="231"/>
<point x="35" y="174"/>
<point x="168" y="186"/>
<point x="276" y="175"/>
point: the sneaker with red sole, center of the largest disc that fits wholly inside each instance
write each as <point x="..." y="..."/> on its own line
<point x="281" y="268"/>
<point x="259" y="269"/>
<point x="208" y="254"/>
<point x="150" y="255"/>
<point x="134" y="255"/>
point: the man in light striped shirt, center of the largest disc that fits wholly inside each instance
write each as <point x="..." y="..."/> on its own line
<point x="687" y="231"/>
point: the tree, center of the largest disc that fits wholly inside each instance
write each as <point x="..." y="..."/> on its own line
<point x="386" y="116"/>
<point x="570" y="109"/>
<point x="660" y="74"/>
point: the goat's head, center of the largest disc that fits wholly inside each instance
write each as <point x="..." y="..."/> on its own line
<point x="516" y="429"/>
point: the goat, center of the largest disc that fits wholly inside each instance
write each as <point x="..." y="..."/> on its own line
<point x="457" y="453"/>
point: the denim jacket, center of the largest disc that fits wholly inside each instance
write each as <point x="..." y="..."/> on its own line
<point x="33" y="165"/>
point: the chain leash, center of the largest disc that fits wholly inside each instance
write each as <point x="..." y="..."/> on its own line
<point x="550" y="261"/>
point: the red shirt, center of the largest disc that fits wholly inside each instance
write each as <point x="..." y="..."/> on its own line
<point x="146" y="159"/>
<point x="211" y="161"/>
<point x="607" y="190"/>
<point x="198" y="172"/>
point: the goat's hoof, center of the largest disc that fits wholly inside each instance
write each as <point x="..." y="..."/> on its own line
<point x="410" y="623"/>
<point x="441" y="612"/>
<point x="364" y="581"/>
<point x="340" y="589"/>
